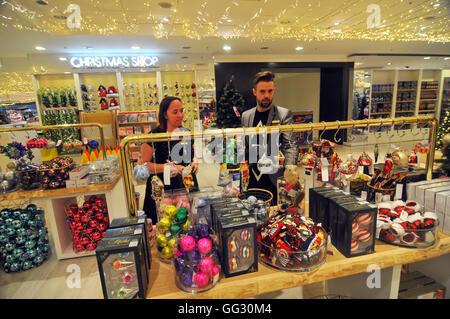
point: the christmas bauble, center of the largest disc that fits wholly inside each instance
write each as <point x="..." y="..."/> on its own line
<point x="400" y="158"/>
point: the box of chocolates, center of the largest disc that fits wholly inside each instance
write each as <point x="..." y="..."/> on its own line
<point x="122" y="267"/>
<point x="237" y="241"/>
<point x="135" y="221"/>
<point x="356" y="228"/>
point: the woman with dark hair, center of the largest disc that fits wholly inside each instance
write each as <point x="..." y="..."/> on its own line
<point x="158" y="154"/>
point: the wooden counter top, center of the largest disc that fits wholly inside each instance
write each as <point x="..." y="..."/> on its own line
<point x="162" y="280"/>
<point x="45" y="193"/>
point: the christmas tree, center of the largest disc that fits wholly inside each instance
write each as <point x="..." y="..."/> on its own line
<point x="445" y="160"/>
<point x="444" y="128"/>
<point x="230" y="107"/>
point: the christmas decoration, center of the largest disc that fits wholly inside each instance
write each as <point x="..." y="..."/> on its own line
<point x="87" y="223"/>
<point x="14" y="150"/>
<point x="230" y="101"/>
<point x="444" y="128"/>
<point x="55" y="173"/>
<point x="445" y="160"/>
<point x="25" y="241"/>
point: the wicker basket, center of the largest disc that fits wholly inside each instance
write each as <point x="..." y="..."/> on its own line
<point x="371" y="191"/>
<point x="259" y="208"/>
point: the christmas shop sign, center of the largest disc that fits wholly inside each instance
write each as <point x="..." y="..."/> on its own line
<point x="140" y="61"/>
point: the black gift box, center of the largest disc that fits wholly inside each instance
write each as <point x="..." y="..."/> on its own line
<point x="363" y="217"/>
<point x="319" y="204"/>
<point x="333" y="204"/>
<point x="225" y="209"/>
<point x="132" y="221"/>
<point x="238" y="245"/>
<point x="122" y="267"/>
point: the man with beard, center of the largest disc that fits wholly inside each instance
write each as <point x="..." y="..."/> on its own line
<point x="267" y="114"/>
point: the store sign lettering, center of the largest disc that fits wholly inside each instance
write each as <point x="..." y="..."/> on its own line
<point x="114" y="62"/>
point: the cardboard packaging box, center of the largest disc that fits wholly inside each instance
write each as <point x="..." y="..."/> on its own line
<point x="430" y="196"/>
<point x="411" y="188"/>
<point x="416" y="285"/>
<point x="71" y="183"/>
<point x="420" y="190"/>
<point x="320" y="210"/>
<point x="333" y="214"/>
<point x="133" y="221"/>
<point x="238" y="244"/>
<point x="83" y="182"/>
<point x="79" y="172"/>
<point x="122" y="269"/>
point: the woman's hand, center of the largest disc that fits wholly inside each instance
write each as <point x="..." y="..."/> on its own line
<point x="194" y="166"/>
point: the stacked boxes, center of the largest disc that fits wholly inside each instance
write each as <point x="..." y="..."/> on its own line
<point x="442" y="209"/>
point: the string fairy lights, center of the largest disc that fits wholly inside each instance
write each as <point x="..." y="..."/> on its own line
<point x="413" y="20"/>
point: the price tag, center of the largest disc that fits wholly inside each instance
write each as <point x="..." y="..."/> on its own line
<point x="166" y="174"/>
<point x="371" y="169"/>
<point x="133" y="243"/>
<point x="386" y="198"/>
<point x="378" y="197"/>
<point x="398" y="191"/>
<point x="138" y="231"/>
<point x="324" y="169"/>
<point x="364" y="195"/>
<point x="360" y="169"/>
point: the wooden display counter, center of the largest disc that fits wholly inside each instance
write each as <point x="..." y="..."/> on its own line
<point x="162" y="278"/>
<point x="54" y="201"/>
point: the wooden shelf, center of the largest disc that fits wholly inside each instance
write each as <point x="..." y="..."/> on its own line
<point x="390" y="102"/>
<point x="137" y="123"/>
<point x="45" y="193"/>
<point x="404" y="111"/>
<point x="406" y="90"/>
<point x="428" y="100"/>
<point x="425" y="111"/>
<point x="408" y="101"/>
<point x="378" y="92"/>
<point x="266" y="279"/>
<point x="428" y="90"/>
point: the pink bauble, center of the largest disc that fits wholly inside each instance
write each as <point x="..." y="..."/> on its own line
<point x="215" y="271"/>
<point x="206" y="265"/>
<point x="187" y="243"/>
<point x="186" y="204"/>
<point x="204" y="245"/>
<point x="201" y="279"/>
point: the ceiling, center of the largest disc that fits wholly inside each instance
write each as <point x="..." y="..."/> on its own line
<point x="194" y="31"/>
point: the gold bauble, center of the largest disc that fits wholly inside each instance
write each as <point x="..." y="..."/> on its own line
<point x="400" y="158"/>
<point x="291" y="174"/>
<point x="446" y="139"/>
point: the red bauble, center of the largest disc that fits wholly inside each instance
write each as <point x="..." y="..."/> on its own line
<point x="69" y="212"/>
<point x="89" y="230"/>
<point x="93" y="223"/>
<point x="96" y="235"/>
<point x="72" y="225"/>
<point x="95" y="209"/>
<point x="92" y="199"/>
<point x="79" y="226"/>
<point x="73" y="207"/>
<point x="84" y="240"/>
<point x="99" y="216"/>
<point x="84" y="218"/>
<point x="91" y="246"/>
<point x="76" y="217"/>
<point x="86" y="205"/>
<point x="75" y="239"/>
<point x="78" y="247"/>
<point x="99" y="202"/>
<point x="31" y="143"/>
<point x="106" y="220"/>
<point x="101" y="227"/>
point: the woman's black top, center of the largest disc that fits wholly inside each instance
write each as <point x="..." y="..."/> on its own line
<point x="161" y="156"/>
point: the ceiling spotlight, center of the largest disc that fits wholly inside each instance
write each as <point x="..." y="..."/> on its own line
<point x="389" y="63"/>
<point x="427" y="58"/>
<point x="447" y="58"/>
<point x="67" y="72"/>
<point x="40" y="48"/>
<point x="226" y="47"/>
<point x="337" y="31"/>
<point x="436" y="5"/>
<point x="336" y="23"/>
<point x="229" y="20"/>
<point x="165" y="19"/>
<point x="63" y="58"/>
<point x="135" y="47"/>
<point x="299" y="48"/>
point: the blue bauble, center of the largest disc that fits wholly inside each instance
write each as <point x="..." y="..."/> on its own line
<point x="14" y="267"/>
<point x="10" y="231"/>
<point x="20" y="240"/>
<point x="202" y="230"/>
<point x="32" y="223"/>
<point x="193" y="257"/>
<point x="46" y="248"/>
<point x="3" y="239"/>
<point x="179" y="264"/>
<point x="9" y="221"/>
<point x="32" y="253"/>
<point x="5" y="213"/>
<point x="10" y="247"/>
<point x="141" y="172"/>
<point x="31" y="207"/>
<point x="21" y="232"/>
<point x="10" y="258"/>
<point x="27" y="265"/>
<point x="16" y="214"/>
<point x="17" y="224"/>
<point x="18" y="252"/>
<point x="42" y="232"/>
<point x="29" y="244"/>
<point x="39" y="217"/>
<point x="93" y="144"/>
<point x="38" y="260"/>
<point x="24" y="216"/>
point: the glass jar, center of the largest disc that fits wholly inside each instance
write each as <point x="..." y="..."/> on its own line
<point x="196" y="260"/>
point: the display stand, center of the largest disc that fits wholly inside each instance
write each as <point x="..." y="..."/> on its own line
<point x="53" y="201"/>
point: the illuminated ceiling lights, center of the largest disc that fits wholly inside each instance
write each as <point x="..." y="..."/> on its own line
<point x="135" y="47"/>
<point x="299" y="48"/>
<point x="226" y="47"/>
<point x="39" y="48"/>
<point x="63" y="59"/>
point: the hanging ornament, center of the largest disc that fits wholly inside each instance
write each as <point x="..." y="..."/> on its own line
<point x="387" y="164"/>
<point x="245" y="176"/>
<point x="141" y="172"/>
<point x="157" y="188"/>
<point x="188" y="180"/>
<point x="412" y="160"/>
